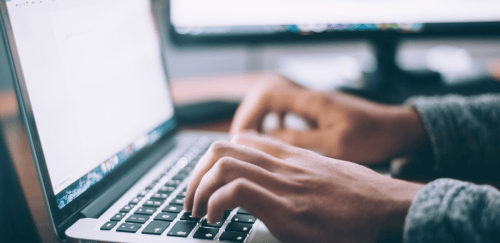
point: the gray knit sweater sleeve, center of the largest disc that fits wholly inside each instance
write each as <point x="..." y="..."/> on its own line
<point x="448" y="210"/>
<point x="464" y="133"/>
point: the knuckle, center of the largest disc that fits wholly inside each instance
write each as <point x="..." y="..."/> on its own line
<point x="224" y="165"/>
<point x="218" y="147"/>
<point x="239" y="187"/>
<point x="238" y="138"/>
<point x="220" y="170"/>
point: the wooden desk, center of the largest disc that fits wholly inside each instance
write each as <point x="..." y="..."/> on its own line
<point x="230" y="87"/>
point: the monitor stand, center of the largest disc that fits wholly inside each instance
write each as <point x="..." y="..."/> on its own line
<point x="391" y="85"/>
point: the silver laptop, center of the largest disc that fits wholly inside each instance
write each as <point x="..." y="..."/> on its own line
<point x="91" y="83"/>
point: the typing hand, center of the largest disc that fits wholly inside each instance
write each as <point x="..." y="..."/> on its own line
<point x="342" y="126"/>
<point x="300" y="195"/>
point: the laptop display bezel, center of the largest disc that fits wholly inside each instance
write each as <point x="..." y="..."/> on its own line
<point x="69" y="212"/>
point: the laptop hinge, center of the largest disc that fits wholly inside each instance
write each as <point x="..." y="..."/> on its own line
<point x="98" y="206"/>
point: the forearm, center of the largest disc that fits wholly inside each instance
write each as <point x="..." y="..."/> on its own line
<point x="453" y="211"/>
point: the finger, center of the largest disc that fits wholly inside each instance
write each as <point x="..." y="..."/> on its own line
<point x="283" y="99"/>
<point x="252" y="110"/>
<point x="299" y="101"/>
<point x="312" y="139"/>
<point x="228" y="169"/>
<point x="257" y="200"/>
<point x="223" y="149"/>
<point x="267" y="144"/>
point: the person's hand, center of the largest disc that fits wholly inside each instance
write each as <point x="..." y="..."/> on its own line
<point x="300" y="195"/>
<point x="343" y="126"/>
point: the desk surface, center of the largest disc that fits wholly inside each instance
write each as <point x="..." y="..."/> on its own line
<point x="229" y="87"/>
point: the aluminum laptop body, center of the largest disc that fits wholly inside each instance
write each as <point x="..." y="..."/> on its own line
<point x="92" y="89"/>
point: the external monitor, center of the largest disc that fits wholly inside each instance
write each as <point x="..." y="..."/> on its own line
<point x="383" y="22"/>
<point x="223" y="20"/>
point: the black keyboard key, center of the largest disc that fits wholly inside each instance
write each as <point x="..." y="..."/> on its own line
<point x="151" y="186"/>
<point x="216" y="224"/>
<point x="141" y="219"/>
<point x="146" y="210"/>
<point x="156" y="227"/>
<point x="118" y="217"/>
<point x="177" y="201"/>
<point x="241" y="227"/>
<point x="128" y="227"/>
<point x="166" y="189"/>
<point x="193" y="162"/>
<point x="172" y="209"/>
<point x="182" y="229"/>
<point x="166" y="216"/>
<point x="242" y="218"/>
<point x="179" y="177"/>
<point x="126" y="209"/>
<point x="159" y="196"/>
<point x="108" y="225"/>
<point x="143" y="193"/>
<point x="173" y="183"/>
<point x="188" y="217"/>
<point x="226" y="214"/>
<point x="233" y="236"/>
<point x="186" y="170"/>
<point x="135" y="200"/>
<point x="152" y="203"/>
<point x="161" y="200"/>
<point x="242" y="211"/>
<point x="205" y="233"/>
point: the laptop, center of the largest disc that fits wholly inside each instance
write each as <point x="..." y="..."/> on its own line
<point x="93" y="92"/>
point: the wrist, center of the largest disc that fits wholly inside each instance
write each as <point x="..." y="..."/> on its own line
<point x="402" y="196"/>
<point x="409" y="130"/>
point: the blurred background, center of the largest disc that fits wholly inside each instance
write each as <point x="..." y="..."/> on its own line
<point x="323" y="61"/>
<point x="472" y="55"/>
<point x="186" y="62"/>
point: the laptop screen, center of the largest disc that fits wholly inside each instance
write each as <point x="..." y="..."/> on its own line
<point x="96" y="82"/>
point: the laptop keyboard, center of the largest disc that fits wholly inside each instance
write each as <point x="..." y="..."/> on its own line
<point x="158" y="209"/>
